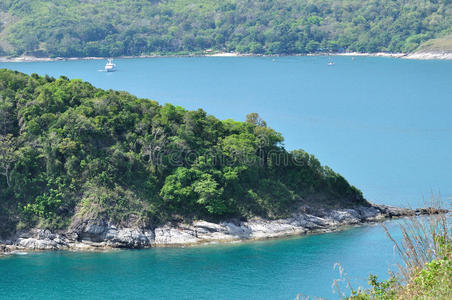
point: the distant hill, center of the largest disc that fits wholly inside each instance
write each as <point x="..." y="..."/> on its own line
<point x="70" y="28"/>
<point x="68" y="149"/>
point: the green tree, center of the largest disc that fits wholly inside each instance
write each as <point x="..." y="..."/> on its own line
<point x="7" y="155"/>
<point x="74" y="151"/>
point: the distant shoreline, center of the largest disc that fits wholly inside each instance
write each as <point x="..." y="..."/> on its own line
<point x="415" y="55"/>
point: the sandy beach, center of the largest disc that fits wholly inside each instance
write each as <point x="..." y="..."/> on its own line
<point x="414" y="55"/>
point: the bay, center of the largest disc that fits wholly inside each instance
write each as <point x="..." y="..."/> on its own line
<point x="385" y="124"/>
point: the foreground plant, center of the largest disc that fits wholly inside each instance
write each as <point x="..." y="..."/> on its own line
<point x="426" y="268"/>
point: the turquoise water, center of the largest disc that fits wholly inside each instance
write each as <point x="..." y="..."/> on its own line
<point x="258" y="270"/>
<point x="385" y="124"/>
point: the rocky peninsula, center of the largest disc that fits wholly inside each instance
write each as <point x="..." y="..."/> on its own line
<point x="85" y="168"/>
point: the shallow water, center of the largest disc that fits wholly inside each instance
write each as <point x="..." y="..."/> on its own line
<point x="275" y="269"/>
<point x="385" y="124"/>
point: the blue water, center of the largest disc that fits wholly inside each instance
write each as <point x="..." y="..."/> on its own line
<point x="258" y="270"/>
<point x="385" y="124"/>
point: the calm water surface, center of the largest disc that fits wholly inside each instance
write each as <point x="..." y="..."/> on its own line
<point x="385" y="124"/>
<point x="277" y="269"/>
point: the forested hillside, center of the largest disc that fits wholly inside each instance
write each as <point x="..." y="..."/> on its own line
<point x="69" y="149"/>
<point x="112" y="28"/>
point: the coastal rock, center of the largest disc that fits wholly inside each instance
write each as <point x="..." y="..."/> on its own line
<point x="92" y="230"/>
<point x="392" y="211"/>
<point x="3" y="248"/>
<point x="37" y="244"/>
<point x="225" y="231"/>
<point x="238" y="230"/>
<point x="429" y="55"/>
<point x="170" y="235"/>
<point x="99" y="233"/>
<point x="40" y="239"/>
<point x="345" y="216"/>
<point x="45" y="234"/>
<point x="261" y="228"/>
<point x="370" y="214"/>
<point x="127" y="238"/>
<point x="310" y="222"/>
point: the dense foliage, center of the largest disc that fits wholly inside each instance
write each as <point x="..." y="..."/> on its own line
<point x="112" y="28"/>
<point x="68" y="148"/>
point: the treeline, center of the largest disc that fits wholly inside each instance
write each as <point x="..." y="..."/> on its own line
<point x="112" y="28"/>
<point x="69" y="149"/>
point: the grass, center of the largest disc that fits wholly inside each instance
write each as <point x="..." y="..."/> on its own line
<point x="426" y="268"/>
<point x="443" y="44"/>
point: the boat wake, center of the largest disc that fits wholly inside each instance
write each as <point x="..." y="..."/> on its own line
<point x="105" y="71"/>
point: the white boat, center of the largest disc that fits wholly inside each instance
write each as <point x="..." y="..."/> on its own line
<point x="110" y="66"/>
<point x="330" y="61"/>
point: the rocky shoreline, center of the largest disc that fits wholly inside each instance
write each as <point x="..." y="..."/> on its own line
<point x="420" y="55"/>
<point x="100" y="234"/>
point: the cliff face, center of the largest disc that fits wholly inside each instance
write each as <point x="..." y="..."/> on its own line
<point x="100" y="234"/>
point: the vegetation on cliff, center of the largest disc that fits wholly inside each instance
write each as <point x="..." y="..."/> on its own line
<point x="112" y="28"/>
<point x="69" y="149"/>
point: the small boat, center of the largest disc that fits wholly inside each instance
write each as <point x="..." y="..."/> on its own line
<point x="110" y="66"/>
<point x="330" y="63"/>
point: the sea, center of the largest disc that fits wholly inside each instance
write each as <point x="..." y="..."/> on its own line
<point x="385" y="124"/>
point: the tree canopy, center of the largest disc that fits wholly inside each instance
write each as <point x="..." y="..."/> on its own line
<point x="112" y="28"/>
<point x="68" y="149"/>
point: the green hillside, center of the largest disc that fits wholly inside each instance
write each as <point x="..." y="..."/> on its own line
<point x="112" y="28"/>
<point x="443" y="44"/>
<point x="69" y="149"/>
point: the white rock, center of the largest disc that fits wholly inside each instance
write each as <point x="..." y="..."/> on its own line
<point x="35" y="244"/>
<point x="168" y="235"/>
